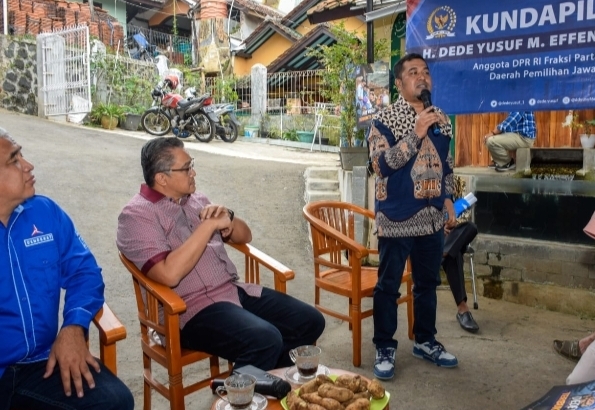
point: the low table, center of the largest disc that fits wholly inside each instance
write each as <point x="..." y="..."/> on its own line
<point x="274" y="404"/>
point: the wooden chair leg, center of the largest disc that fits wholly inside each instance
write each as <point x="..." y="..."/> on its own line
<point x="356" y="322"/>
<point x="147" y="396"/>
<point x="410" y="317"/>
<point x="350" y="315"/>
<point x="147" y="385"/>
<point x="176" y="392"/>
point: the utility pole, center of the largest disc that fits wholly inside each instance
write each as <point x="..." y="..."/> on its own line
<point x="370" y="36"/>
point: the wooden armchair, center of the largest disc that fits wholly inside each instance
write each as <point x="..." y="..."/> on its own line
<point x="338" y="264"/>
<point x="110" y="331"/>
<point x="170" y="355"/>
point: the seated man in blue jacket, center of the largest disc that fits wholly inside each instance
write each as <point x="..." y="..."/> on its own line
<point x="41" y="366"/>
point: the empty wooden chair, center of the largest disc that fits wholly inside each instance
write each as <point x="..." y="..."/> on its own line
<point x="338" y="264"/>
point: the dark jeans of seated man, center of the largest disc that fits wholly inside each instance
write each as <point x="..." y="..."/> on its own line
<point x="260" y="332"/>
<point x="455" y="244"/>
<point x="22" y="386"/>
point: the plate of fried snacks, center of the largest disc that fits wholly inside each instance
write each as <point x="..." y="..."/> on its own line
<point x="345" y="392"/>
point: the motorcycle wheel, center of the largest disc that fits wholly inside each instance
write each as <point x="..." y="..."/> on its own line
<point x="203" y="127"/>
<point x="231" y="129"/>
<point x="155" y="122"/>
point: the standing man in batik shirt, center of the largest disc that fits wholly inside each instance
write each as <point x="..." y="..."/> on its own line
<point x="414" y="186"/>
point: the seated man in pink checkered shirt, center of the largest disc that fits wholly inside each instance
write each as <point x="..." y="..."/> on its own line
<point x="175" y="236"/>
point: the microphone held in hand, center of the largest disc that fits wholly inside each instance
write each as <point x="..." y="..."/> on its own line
<point x="426" y="98"/>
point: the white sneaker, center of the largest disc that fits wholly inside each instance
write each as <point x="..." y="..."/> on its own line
<point x="434" y="352"/>
<point x="384" y="366"/>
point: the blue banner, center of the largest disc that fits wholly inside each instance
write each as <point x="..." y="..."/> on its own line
<point x="506" y="55"/>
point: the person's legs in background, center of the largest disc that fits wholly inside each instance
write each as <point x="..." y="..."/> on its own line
<point x="584" y="370"/>
<point x="500" y="145"/>
<point x="454" y="247"/>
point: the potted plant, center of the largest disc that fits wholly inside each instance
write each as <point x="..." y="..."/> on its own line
<point x="303" y="125"/>
<point x="340" y="61"/>
<point x="107" y="115"/>
<point x="133" y="94"/>
<point x="572" y="121"/>
<point x="131" y="117"/>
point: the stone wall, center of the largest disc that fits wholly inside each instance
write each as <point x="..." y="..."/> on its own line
<point x="18" y="68"/>
<point x="19" y="87"/>
<point x="551" y="275"/>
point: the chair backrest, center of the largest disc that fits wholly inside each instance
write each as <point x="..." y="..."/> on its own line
<point x="333" y="227"/>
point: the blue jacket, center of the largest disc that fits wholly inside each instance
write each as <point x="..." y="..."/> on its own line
<point x="41" y="252"/>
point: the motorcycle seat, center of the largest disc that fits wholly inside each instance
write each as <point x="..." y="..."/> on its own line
<point x="186" y="103"/>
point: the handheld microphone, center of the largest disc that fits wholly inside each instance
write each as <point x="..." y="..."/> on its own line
<point x="275" y="388"/>
<point x="426" y="98"/>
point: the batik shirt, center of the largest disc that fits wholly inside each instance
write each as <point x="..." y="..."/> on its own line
<point x="413" y="175"/>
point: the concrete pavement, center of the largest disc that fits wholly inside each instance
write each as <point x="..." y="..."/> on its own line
<point x="93" y="173"/>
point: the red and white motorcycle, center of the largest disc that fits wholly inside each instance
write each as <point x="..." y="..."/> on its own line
<point x="183" y="116"/>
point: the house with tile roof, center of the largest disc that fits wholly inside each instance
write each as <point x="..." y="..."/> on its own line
<point x="282" y="44"/>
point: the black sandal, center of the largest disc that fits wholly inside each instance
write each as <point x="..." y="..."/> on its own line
<point x="568" y="349"/>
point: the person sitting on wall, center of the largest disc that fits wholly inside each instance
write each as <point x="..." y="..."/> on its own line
<point x="176" y="236"/>
<point x="518" y="130"/>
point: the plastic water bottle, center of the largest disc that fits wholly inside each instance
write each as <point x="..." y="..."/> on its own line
<point x="462" y="204"/>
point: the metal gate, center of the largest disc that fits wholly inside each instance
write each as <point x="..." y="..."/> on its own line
<point x="63" y="72"/>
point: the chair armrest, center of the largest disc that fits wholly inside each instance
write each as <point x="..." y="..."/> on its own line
<point x="172" y="303"/>
<point x="111" y="331"/>
<point x="254" y="258"/>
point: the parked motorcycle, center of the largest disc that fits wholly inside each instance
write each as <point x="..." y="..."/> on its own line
<point x="228" y="125"/>
<point x="184" y="117"/>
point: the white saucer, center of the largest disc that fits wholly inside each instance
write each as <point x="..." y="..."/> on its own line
<point x="259" y="402"/>
<point x="292" y="375"/>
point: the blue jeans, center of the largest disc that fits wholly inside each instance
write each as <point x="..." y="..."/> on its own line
<point x="426" y="255"/>
<point x="260" y="332"/>
<point x="23" y="387"/>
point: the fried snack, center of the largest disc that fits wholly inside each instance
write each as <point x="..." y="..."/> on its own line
<point x="322" y="378"/>
<point x="363" y="386"/>
<point x="328" y="404"/>
<point x="359" y="404"/>
<point x="362" y="395"/>
<point x="349" y="382"/>
<point x="376" y="389"/>
<point x="312" y="385"/>
<point x="312" y="406"/>
<point x="309" y="387"/>
<point x="331" y="391"/>
<point x="294" y="402"/>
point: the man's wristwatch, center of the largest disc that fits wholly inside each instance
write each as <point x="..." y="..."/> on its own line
<point x="231" y="214"/>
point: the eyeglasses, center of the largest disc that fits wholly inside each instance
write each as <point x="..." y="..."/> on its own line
<point x="187" y="169"/>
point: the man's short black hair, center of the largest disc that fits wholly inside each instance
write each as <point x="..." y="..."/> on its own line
<point x="398" y="68"/>
<point x="156" y="156"/>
